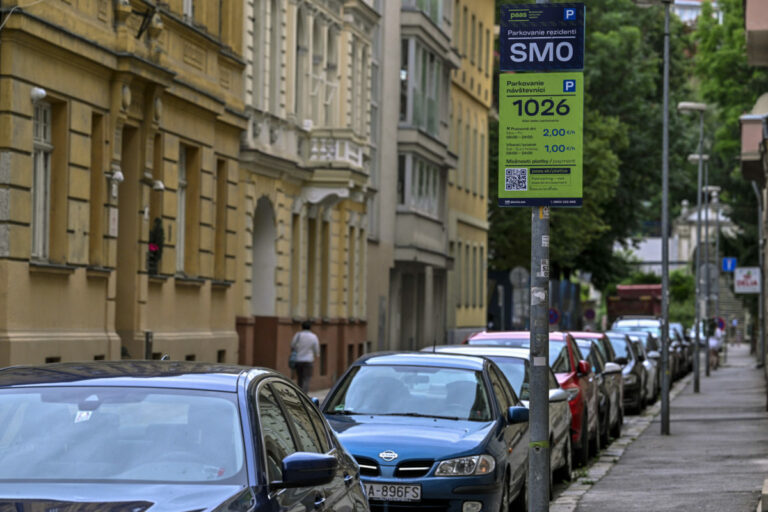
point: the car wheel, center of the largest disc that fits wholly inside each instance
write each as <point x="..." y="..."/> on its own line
<point x="564" y="471"/>
<point x="595" y="443"/>
<point x="521" y="500"/>
<point x="616" y="429"/>
<point x="504" y="503"/>
<point x="582" y="456"/>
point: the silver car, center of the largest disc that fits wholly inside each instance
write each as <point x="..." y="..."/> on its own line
<point x="514" y="364"/>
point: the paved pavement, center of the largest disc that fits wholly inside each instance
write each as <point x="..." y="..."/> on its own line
<point x="715" y="459"/>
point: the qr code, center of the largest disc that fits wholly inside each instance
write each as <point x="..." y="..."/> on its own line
<point x="516" y="179"/>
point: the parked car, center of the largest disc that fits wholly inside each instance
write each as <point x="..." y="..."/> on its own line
<point x="610" y="386"/>
<point x="514" y="364"/>
<point x="633" y="372"/>
<point x="436" y="431"/>
<point x="146" y="435"/>
<point x="652" y="383"/>
<point x="573" y="373"/>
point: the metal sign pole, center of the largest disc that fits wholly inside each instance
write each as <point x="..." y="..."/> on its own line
<point x="697" y="359"/>
<point x="665" y="236"/>
<point x="707" y="290"/>
<point x="538" y="454"/>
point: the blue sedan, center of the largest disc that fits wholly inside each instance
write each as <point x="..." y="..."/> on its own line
<point x="433" y="431"/>
<point x="163" y="436"/>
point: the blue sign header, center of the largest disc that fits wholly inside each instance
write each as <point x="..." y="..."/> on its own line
<point x="542" y="37"/>
<point x="729" y="264"/>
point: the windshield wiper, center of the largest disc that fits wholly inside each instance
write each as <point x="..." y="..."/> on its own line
<point x="417" y="415"/>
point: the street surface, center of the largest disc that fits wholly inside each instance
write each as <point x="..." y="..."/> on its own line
<point x="715" y="459"/>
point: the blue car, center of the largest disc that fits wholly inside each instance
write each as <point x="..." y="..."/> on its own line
<point x="437" y="432"/>
<point x="167" y="436"/>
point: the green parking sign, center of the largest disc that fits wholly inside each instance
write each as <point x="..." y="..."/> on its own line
<point x="540" y="139"/>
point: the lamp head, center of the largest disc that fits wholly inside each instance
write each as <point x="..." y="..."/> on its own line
<point x="695" y="157"/>
<point x="690" y="106"/>
<point x="118" y="176"/>
<point x="37" y="94"/>
<point x="158" y="185"/>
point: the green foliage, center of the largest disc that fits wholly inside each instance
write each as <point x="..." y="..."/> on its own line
<point x="622" y="148"/>
<point x="682" y="293"/>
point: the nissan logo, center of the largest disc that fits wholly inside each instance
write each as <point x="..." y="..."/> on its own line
<point x="388" y="455"/>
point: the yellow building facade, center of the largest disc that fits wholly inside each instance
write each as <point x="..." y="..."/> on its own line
<point x="471" y="98"/>
<point x="120" y="127"/>
<point x="303" y="184"/>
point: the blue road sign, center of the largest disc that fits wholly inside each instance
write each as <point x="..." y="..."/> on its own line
<point x="542" y="37"/>
<point x="729" y="264"/>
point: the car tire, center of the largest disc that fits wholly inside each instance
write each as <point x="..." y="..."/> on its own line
<point x="582" y="455"/>
<point x="504" y="502"/>
<point x="520" y="504"/>
<point x="563" y="473"/>
<point x="595" y="443"/>
<point x="616" y="428"/>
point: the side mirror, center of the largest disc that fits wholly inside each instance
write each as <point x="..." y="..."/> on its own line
<point x="558" y="395"/>
<point x="304" y="469"/>
<point x="622" y="361"/>
<point x="584" y="368"/>
<point x="517" y="414"/>
<point x="653" y="354"/>
<point x="316" y="401"/>
<point x="612" y="368"/>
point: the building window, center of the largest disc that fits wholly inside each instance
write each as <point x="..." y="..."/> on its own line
<point x="181" y="209"/>
<point x="41" y="180"/>
<point x="420" y="96"/>
<point x="419" y="185"/>
<point x="188" y="10"/>
<point x="467" y="274"/>
<point x="274" y="58"/>
<point x="401" y="177"/>
<point x="98" y="191"/>
<point x="473" y="45"/>
<point x="487" y="50"/>
<point x="300" y="75"/>
<point x="220" y="248"/>
<point x="482" y="166"/>
<point x="464" y="18"/>
<point x="483" y="272"/>
<point x="331" y="78"/>
<point x="476" y="170"/>
<point x="455" y="21"/>
<point x="404" y="58"/>
<point x="481" y="48"/>
<point x="475" y="276"/>
<point x="459" y="274"/>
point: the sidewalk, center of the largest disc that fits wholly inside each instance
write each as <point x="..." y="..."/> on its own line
<point x="715" y="459"/>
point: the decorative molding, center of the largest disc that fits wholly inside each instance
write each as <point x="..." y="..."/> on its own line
<point x="324" y="196"/>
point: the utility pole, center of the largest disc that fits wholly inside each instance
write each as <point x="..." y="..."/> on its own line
<point x="761" y="259"/>
<point x="665" y="235"/>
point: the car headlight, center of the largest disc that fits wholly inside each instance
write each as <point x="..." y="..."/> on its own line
<point x="630" y="379"/>
<point x="465" y="466"/>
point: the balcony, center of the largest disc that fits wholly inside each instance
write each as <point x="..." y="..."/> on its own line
<point x="335" y="148"/>
<point x="757" y="32"/>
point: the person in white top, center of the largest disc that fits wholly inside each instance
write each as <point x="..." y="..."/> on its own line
<point x="715" y="341"/>
<point x="307" y="348"/>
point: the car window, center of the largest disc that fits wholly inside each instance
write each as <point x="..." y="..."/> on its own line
<point x="319" y="423"/>
<point x="397" y="390"/>
<point x="278" y="440"/>
<point x="120" y="433"/>
<point x="309" y="439"/>
<point x="577" y="353"/>
<point x="505" y="342"/>
<point x="619" y="345"/>
<point x="499" y="390"/>
<point x="515" y="370"/>
<point x="558" y="357"/>
<point x="597" y="361"/>
<point x="553" y="380"/>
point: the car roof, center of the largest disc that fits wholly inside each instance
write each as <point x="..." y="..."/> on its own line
<point x="423" y="359"/>
<point x="586" y="335"/>
<point x="486" y="351"/>
<point x="514" y="335"/>
<point x="637" y="321"/>
<point x="131" y="373"/>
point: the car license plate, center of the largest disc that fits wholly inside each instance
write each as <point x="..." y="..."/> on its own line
<point x="393" y="492"/>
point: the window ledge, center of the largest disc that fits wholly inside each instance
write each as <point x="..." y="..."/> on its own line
<point x="98" y="272"/>
<point x="158" y="278"/>
<point x="221" y="283"/>
<point x="182" y="280"/>
<point x="44" y="267"/>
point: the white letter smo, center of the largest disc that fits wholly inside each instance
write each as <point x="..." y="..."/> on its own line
<point x="522" y="52"/>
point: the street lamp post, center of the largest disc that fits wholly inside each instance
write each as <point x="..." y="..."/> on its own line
<point x="707" y="290"/>
<point x="716" y="201"/>
<point x="665" y="376"/>
<point x="687" y="106"/>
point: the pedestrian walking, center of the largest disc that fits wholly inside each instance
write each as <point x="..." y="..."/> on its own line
<point x="715" y="340"/>
<point x="305" y="347"/>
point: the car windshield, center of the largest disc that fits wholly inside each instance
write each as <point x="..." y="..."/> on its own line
<point x="619" y="346"/>
<point x="120" y="434"/>
<point x="506" y="342"/>
<point x="412" y="391"/>
<point x="516" y="372"/>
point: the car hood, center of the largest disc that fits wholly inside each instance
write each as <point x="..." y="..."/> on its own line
<point x="122" y="497"/>
<point x="410" y="438"/>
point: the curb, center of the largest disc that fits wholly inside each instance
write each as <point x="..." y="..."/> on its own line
<point x="632" y="429"/>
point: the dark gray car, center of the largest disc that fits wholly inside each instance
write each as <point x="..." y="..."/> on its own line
<point x="633" y="372"/>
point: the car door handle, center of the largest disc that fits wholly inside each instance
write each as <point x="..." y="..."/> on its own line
<point x="319" y="501"/>
<point x="348" y="479"/>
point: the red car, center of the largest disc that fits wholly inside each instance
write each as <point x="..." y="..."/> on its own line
<point x="574" y="375"/>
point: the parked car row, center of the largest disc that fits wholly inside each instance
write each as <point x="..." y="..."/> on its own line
<point x="445" y="429"/>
